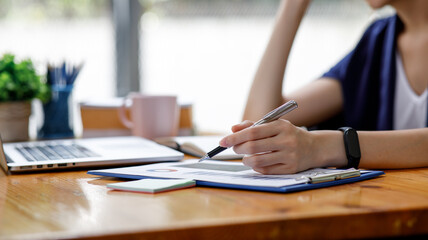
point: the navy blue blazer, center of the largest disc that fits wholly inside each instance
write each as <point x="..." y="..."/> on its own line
<point x="367" y="76"/>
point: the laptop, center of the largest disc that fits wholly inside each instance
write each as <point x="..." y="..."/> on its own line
<point x="90" y="152"/>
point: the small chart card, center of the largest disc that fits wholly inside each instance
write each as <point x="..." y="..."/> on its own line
<point x="152" y="185"/>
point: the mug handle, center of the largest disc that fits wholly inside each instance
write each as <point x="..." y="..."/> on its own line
<point x="122" y="115"/>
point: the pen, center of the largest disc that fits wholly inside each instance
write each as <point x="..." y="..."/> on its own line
<point x="270" y="117"/>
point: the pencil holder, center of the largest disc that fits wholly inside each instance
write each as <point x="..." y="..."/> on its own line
<point x="58" y="117"/>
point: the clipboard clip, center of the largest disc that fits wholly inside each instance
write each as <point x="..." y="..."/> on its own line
<point x="350" y="173"/>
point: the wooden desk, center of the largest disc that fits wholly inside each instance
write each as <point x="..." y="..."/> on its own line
<point x="76" y="205"/>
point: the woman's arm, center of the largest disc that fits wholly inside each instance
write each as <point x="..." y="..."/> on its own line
<point x="266" y="90"/>
<point x="394" y="149"/>
<point x="379" y="149"/>
<point x="280" y="147"/>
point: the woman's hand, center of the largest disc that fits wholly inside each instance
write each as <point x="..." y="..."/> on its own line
<point x="280" y="147"/>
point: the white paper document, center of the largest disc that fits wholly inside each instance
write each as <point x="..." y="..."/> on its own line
<point x="223" y="172"/>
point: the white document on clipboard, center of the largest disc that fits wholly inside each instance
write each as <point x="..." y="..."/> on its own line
<point x="227" y="173"/>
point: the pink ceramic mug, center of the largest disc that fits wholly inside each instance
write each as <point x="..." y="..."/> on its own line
<point x="152" y="116"/>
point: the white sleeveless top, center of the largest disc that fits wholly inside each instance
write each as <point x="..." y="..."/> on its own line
<point x="410" y="109"/>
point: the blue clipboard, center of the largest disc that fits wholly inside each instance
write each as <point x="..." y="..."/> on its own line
<point x="286" y="189"/>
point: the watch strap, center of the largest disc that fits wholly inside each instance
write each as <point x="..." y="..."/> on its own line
<point x="352" y="146"/>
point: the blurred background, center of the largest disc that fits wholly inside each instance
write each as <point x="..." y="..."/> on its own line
<point x="204" y="51"/>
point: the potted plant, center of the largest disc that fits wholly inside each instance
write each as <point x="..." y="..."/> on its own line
<point x="19" y="84"/>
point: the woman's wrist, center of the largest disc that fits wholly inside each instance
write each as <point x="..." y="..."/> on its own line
<point x="329" y="149"/>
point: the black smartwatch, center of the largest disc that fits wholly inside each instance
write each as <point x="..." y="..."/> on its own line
<point x="352" y="146"/>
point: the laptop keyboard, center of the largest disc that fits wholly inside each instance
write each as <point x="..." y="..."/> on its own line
<point x="54" y="152"/>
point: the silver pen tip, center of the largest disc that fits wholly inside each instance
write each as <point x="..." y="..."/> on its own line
<point x="204" y="158"/>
